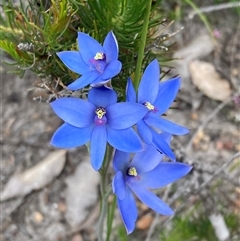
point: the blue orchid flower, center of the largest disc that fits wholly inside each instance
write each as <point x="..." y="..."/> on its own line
<point x="99" y="120"/>
<point x="96" y="63"/>
<point x="157" y="98"/>
<point x="145" y="171"/>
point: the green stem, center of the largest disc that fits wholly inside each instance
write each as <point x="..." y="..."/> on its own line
<point x="110" y="218"/>
<point x="142" y="45"/>
<point x="104" y="169"/>
<point x="104" y="193"/>
<point x="104" y="207"/>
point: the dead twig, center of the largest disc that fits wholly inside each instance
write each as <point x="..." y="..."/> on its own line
<point x="233" y="53"/>
<point x="13" y="142"/>
<point x="203" y="185"/>
<point x="187" y="196"/>
<point x="213" y="8"/>
<point x="217" y="172"/>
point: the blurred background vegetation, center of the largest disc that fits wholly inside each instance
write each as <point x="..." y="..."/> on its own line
<point x="33" y="32"/>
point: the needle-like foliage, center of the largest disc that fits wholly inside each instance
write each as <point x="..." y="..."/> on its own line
<point x="33" y="33"/>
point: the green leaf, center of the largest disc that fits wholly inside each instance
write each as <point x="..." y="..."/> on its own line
<point x="10" y="48"/>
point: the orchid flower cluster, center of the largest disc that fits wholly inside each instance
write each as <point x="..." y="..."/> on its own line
<point x="133" y="126"/>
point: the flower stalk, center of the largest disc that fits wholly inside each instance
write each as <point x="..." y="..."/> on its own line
<point x="105" y="192"/>
<point x="104" y="209"/>
<point x="142" y="45"/>
<point x="111" y="210"/>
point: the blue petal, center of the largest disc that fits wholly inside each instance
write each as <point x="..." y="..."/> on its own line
<point x="74" y="111"/>
<point x="146" y="160"/>
<point x="164" y="174"/>
<point x="98" y="146"/>
<point x="144" y="131"/>
<point x="148" y="87"/>
<point x="167" y="94"/>
<point x="110" y="46"/>
<point x="166" y="125"/>
<point x="88" y="47"/>
<point x="125" y="114"/>
<point x="102" y="96"/>
<point x="120" y="160"/>
<point x="67" y="136"/>
<point x="74" y="61"/>
<point x="150" y="199"/>
<point x="124" y="140"/>
<point x="119" y="185"/>
<point x="166" y="136"/>
<point x="84" y="80"/>
<point x="111" y="70"/>
<point x="130" y="91"/>
<point x="162" y="145"/>
<point x="128" y="211"/>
